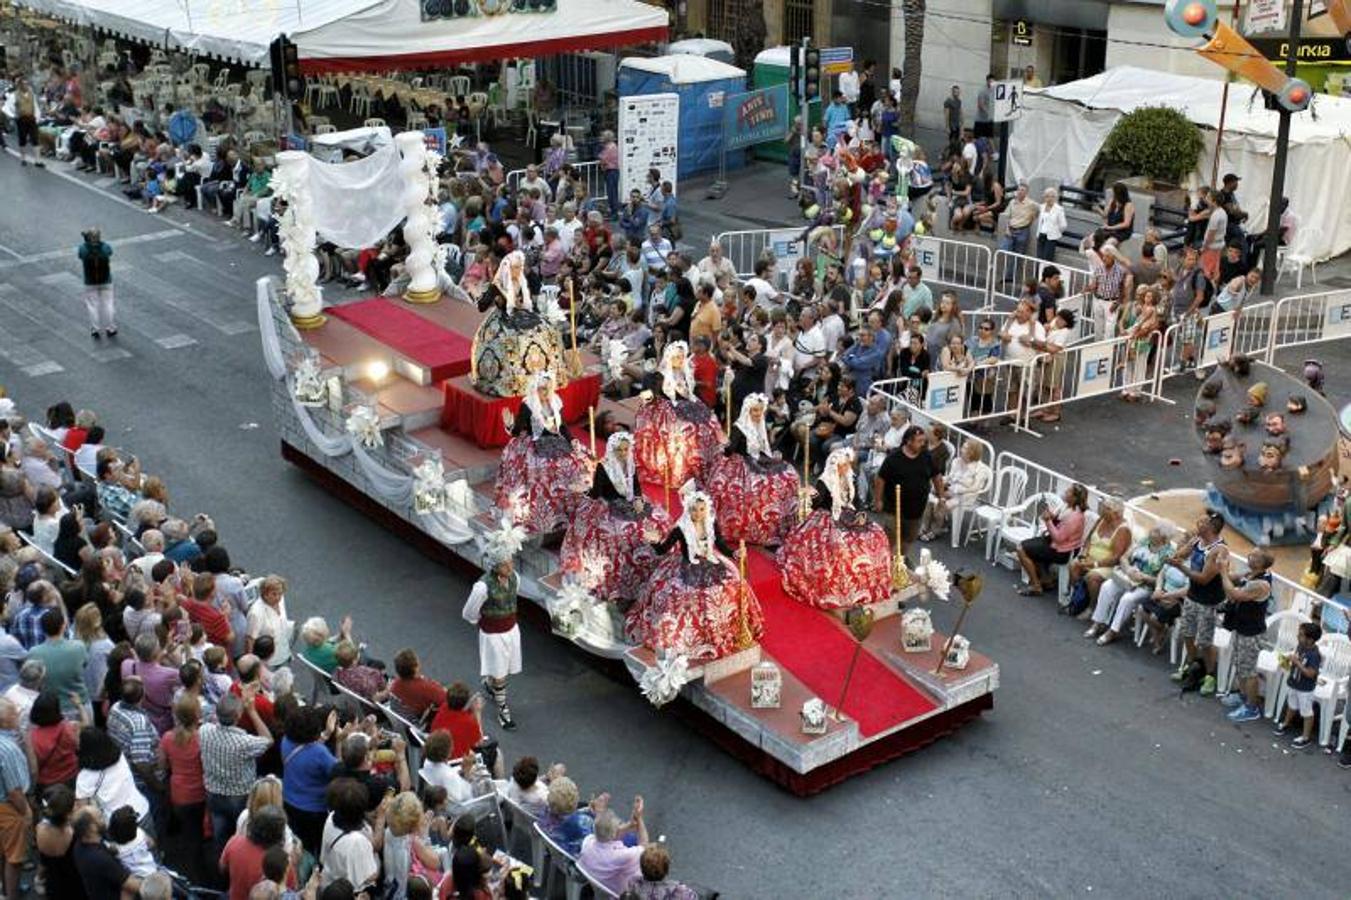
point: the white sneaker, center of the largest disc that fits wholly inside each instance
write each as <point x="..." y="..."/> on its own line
<point x="256" y="237"/>
<point x="271" y="251"/>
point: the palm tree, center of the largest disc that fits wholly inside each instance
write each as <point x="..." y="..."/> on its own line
<point x="913" y="10"/>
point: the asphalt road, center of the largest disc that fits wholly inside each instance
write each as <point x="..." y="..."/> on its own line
<point x="1091" y="775"/>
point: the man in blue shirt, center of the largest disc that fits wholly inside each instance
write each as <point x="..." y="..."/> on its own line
<point x="633" y="218"/>
<point x="863" y="360"/>
<point x="836" y="119"/>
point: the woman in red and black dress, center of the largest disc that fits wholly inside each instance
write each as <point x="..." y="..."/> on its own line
<point x="696" y="602"/>
<point x="837" y="557"/>
<point x="543" y="473"/>
<point x="676" y="435"/>
<point x="755" y="490"/>
<point x="607" y="545"/>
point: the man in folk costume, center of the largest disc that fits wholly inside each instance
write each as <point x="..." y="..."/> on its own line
<point x="492" y="607"/>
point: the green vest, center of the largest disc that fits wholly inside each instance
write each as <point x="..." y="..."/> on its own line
<point x="501" y="602"/>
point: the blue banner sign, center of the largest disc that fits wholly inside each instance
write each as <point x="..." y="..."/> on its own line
<point x="755" y="117"/>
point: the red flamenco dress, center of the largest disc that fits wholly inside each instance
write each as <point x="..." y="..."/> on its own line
<point x="755" y="493"/>
<point x="836" y="558"/>
<point x="544" y="474"/>
<point x="696" y="602"/>
<point x="677" y="436"/>
<point x="607" y="546"/>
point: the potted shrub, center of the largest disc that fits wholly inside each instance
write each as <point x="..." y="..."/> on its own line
<point x="1159" y="147"/>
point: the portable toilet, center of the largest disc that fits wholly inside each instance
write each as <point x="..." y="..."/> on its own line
<point x="703" y="84"/>
<point x="707" y="47"/>
<point x="772" y="67"/>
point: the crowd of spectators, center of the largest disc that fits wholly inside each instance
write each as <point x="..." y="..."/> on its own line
<point x="154" y="735"/>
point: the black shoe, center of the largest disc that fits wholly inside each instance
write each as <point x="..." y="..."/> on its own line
<point x="95" y="334"/>
<point x="23" y="162"/>
<point x="40" y="164"/>
<point x="1344" y="762"/>
<point x="112" y="332"/>
<point x="505" y="720"/>
<point x="488" y="690"/>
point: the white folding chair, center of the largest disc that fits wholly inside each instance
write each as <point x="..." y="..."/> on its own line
<point x="1294" y="258"/>
<point x="1008" y="491"/>
<point x="523" y="826"/>
<point x="1016" y="524"/>
<point x="459" y="85"/>
<point x="1281" y="636"/>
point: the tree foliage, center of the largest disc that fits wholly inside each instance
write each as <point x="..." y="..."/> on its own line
<point x="1156" y="141"/>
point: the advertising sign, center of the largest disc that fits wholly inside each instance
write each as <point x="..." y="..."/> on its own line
<point x="755" y="117"/>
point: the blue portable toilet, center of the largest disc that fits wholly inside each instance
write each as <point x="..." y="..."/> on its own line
<point x="703" y="85"/>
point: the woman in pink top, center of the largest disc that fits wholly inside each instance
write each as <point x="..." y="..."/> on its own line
<point x="1064" y="534"/>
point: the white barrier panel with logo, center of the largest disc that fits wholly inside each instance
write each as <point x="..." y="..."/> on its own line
<point x="1012" y="270"/>
<point x="1095" y="368"/>
<point x="1218" y="341"/>
<point x="743" y="248"/>
<point x="590" y="173"/>
<point x="960" y="265"/>
<point x="945" y="398"/>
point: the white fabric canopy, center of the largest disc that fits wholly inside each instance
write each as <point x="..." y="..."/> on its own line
<point x="1063" y="128"/>
<point x="683" y="68"/>
<point x="357" y="203"/>
<point x="363" y="34"/>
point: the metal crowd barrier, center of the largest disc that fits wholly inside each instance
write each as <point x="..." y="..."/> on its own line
<point x="896" y="392"/>
<point x="1023" y="268"/>
<point x="744" y="248"/>
<point x="1309" y="319"/>
<point x="1203" y="342"/>
<point x="960" y="266"/>
<point x="593" y="177"/>
<point x="1088" y="370"/>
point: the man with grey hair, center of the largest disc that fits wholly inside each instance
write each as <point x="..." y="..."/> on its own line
<point x="228" y="760"/>
<point x="1022" y="212"/>
<point x="179" y="546"/>
<point x="604" y="855"/>
<point x="716" y="265"/>
<point x="160" y="680"/>
<point x="153" y="542"/>
<point x="22" y="694"/>
<point x="38" y="465"/>
<point x="1110" y="283"/>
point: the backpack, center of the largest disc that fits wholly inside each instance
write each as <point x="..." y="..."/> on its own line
<point x="1078" y="599"/>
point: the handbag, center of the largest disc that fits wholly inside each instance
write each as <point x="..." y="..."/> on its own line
<point x="1338" y="560"/>
<point x="674" y="230"/>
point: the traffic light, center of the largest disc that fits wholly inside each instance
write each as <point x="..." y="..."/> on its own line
<point x="795" y="69"/>
<point x="811" y="74"/>
<point x="286" y="76"/>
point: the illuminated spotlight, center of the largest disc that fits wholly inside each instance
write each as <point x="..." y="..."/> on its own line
<point x="377" y="370"/>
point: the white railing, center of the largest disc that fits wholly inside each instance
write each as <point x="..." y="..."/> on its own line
<point x="1010" y="271"/>
<point x="1040" y="480"/>
<point x="744" y="248"/>
<point x="1309" y="319"/>
<point x="1204" y="342"/>
<point x="591" y="174"/>
<point x="897" y="394"/>
<point x="959" y="265"/>
<point x="1088" y="370"/>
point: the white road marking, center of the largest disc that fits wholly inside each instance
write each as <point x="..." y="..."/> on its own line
<point x="69" y="252"/>
<point x="174" y="341"/>
<point x="70" y="330"/>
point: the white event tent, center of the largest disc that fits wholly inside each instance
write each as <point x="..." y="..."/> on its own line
<point x="360" y="35"/>
<point x="1063" y="128"/>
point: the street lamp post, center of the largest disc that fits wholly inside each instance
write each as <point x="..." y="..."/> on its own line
<point x="1272" y="240"/>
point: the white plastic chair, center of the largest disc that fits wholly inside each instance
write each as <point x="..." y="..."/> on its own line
<point x="1009" y="486"/>
<point x="1331" y="689"/>
<point x="523" y="826"/>
<point x="1295" y="257"/>
<point x="1063" y="572"/>
<point x="375" y="122"/>
<point x="1016" y="524"/>
<point x="459" y="85"/>
<point x="416" y="121"/>
<point x="1283" y="633"/>
<point x="325" y="129"/>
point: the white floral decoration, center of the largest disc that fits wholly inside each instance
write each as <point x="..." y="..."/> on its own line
<point x="298" y="235"/>
<point x="934" y="575"/>
<point x="661" y="683"/>
<point x="551" y="309"/>
<point x="363" y="423"/>
<point x="310" y="389"/>
<point x="429" y="487"/>
<point x="503" y="542"/>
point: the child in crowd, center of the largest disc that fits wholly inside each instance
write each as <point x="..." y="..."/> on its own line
<point x="131" y="843"/>
<point x="217" y="682"/>
<point x="1304" y="663"/>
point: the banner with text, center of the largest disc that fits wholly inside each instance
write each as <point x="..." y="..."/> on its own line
<point x="1095" y="369"/>
<point x="755" y="117"/>
<point x="945" y="399"/>
<point x="1219" y="340"/>
<point x="1337" y="318"/>
<point x="649" y="138"/>
<point x="928" y="253"/>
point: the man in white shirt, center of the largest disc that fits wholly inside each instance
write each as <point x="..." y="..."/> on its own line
<point x="567" y="225"/>
<point x="832" y="323"/>
<point x="153" y="542"/>
<point x="532" y="181"/>
<point x="809" y="349"/>
<point x="1022" y="335"/>
<point x="970" y="155"/>
<point x="655" y="250"/>
<point x="715" y="264"/>
<point x="849" y="86"/>
<point x="38" y="466"/>
<point x="767" y="296"/>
